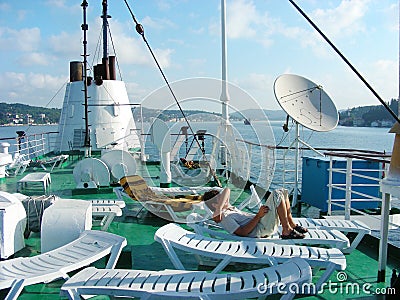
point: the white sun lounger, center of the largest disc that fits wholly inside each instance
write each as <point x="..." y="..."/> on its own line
<point x="173" y="284"/>
<point x="107" y="212"/>
<point x="18" y="165"/>
<point x="89" y="247"/>
<point x="332" y="223"/>
<point x="101" y="202"/>
<point x="314" y="237"/>
<point x="173" y="236"/>
<point x="346" y="226"/>
<point x="52" y="162"/>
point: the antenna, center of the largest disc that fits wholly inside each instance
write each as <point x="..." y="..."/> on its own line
<point x="85" y="28"/>
<point x="105" y="16"/>
<point x="308" y="105"/>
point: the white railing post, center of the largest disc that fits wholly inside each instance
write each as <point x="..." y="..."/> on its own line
<point x="267" y="179"/>
<point x="347" y="208"/>
<point x="330" y="185"/>
<point x="43" y="144"/>
<point x="248" y="167"/>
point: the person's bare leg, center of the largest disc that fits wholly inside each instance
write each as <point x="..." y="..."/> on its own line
<point x="289" y="213"/>
<point x="283" y="217"/>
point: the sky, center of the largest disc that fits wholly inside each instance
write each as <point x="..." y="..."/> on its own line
<point x="265" y="39"/>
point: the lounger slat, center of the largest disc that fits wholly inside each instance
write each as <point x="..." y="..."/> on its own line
<point x="118" y="278"/>
<point x="220" y="284"/>
<point x="195" y="285"/>
<point x="155" y="282"/>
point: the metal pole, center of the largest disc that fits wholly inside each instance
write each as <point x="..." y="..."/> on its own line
<point x="296" y="165"/>
<point x="347" y="205"/>
<point x="105" y="16"/>
<point x="383" y="247"/>
<point x="330" y="186"/>
<point x="85" y="27"/>
<point x="224" y="73"/>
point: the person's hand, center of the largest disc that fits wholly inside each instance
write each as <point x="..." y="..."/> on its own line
<point x="263" y="211"/>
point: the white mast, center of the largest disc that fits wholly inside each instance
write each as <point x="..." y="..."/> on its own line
<point x="224" y="93"/>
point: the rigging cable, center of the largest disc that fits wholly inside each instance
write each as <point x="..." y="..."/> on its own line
<point x="140" y="30"/>
<point x="346" y="61"/>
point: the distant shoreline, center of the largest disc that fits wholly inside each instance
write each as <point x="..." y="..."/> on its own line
<point x="20" y="125"/>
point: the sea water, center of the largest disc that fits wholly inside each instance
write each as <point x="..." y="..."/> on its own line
<point x="265" y="133"/>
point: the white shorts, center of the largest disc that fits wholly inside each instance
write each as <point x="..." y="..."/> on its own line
<point x="268" y="224"/>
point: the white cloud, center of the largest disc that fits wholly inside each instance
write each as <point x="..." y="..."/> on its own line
<point x="56" y="3"/>
<point x="259" y="87"/>
<point x="344" y="20"/>
<point x="241" y="16"/>
<point x="32" y="88"/>
<point x="26" y="39"/>
<point x="66" y="44"/>
<point x="21" y="14"/>
<point x="34" y="58"/>
<point x="5" y="7"/>
<point x="341" y="22"/>
<point x="132" y="49"/>
<point x="157" y="23"/>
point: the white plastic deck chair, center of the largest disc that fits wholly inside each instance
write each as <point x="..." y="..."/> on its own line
<point x="18" y="165"/>
<point x="170" y="208"/>
<point x="89" y="247"/>
<point x="346" y="226"/>
<point x="202" y="177"/>
<point x="174" y="284"/>
<point x="107" y="214"/>
<point x="52" y="162"/>
<point x="353" y="226"/>
<point x="106" y="202"/>
<point x="314" y="237"/>
<point x="107" y="209"/>
<point x="252" y="252"/>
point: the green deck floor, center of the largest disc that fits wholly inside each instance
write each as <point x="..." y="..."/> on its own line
<point x="142" y="252"/>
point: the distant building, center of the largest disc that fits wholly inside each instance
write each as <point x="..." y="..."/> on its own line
<point x="387" y="123"/>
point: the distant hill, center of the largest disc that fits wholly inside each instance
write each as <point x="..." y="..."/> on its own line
<point x="375" y="115"/>
<point x="17" y="113"/>
<point x="369" y="116"/>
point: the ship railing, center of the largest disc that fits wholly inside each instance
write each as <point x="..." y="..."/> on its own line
<point x="31" y="145"/>
<point x="351" y="175"/>
<point x="256" y="162"/>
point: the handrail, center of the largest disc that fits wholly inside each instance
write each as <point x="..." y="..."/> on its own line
<point x="32" y="145"/>
<point x="348" y="186"/>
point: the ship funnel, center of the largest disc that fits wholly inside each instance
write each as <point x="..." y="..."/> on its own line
<point x="111" y="65"/>
<point x="75" y="71"/>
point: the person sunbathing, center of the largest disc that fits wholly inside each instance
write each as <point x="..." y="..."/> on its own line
<point x="262" y="224"/>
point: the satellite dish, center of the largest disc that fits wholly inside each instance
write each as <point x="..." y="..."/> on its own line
<point x="120" y="163"/>
<point x="91" y="173"/>
<point x="306" y="102"/>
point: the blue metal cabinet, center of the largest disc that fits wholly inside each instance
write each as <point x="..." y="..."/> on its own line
<point x="315" y="179"/>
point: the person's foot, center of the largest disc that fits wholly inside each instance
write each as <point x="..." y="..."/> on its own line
<point x="292" y="235"/>
<point x="300" y="229"/>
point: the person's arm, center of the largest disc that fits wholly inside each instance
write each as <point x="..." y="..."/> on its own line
<point x="246" y="229"/>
